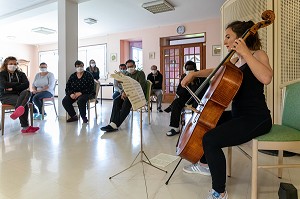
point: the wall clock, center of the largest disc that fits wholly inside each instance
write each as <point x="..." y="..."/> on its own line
<point x="180" y="30"/>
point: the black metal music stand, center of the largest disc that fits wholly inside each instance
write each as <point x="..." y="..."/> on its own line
<point x="141" y="153"/>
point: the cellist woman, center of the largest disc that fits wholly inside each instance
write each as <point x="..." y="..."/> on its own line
<point x="249" y="116"/>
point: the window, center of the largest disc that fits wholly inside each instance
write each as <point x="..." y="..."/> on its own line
<point x="136" y="53"/>
<point x="85" y="54"/>
<point x="97" y="53"/>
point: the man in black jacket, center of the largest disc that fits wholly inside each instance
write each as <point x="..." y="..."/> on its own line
<point x="182" y="97"/>
<point x="156" y="78"/>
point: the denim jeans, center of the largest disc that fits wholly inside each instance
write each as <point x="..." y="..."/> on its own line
<point x="37" y="99"/>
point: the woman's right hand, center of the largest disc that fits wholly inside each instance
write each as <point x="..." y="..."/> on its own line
<point x="73" y="96"/>
<point x="187" y="79"/>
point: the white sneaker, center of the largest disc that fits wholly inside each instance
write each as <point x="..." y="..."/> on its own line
<point x="197" y="168"/>
<point x="215" y="195"/>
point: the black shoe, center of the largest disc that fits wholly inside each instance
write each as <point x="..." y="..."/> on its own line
<point x="159" y="110"/>
<point x="108" y="128"/>
<point x="85" y="120"/>
<point x="172" y="132"/>
<point x="168" y="110"/>
<point x="72" y="119"/>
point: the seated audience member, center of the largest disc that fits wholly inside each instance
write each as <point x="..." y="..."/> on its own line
<point x="80" y="87"/>
<point x="156" y="78"/>
<point x="14" y="91"/>
<point x="182" y="97"/>
<point x="94" y="70"/>
<point x="121" y="105"/>
<point x="117" y="85"/>
<point x="42" y="87"/>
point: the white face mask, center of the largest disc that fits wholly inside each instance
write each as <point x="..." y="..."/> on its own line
<point x="11" y="67"/>
<point x="93" y="65"/>
<point x="187" y="72"/>
<point x="79" y="69"/>
<point x="43" y="69"/>
<point x="131" y="70"/>
<point x="154" y="71"/>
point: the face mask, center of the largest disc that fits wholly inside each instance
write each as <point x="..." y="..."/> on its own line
<point x="79" y="69"/>
<point x="154" y="71"/>
<point x="11" y="67"/>
<point x="43" y="69"/>
<point x="131" y="70"/>
<point x="93" y="65"/>
<point x="123" y="71"/>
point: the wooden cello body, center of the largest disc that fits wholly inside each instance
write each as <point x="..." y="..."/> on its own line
<point x="223" y="87"/>
<point x="216" y="99"/>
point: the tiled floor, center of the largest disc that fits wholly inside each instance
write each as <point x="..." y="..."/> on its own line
<point x="75" y="160"/>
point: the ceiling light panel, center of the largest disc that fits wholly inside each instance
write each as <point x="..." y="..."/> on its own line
<point x="90" y="21"/>
<point x="158" y="6"/>
<point x="42" y="30"/>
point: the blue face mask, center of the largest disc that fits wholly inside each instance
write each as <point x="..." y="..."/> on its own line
<point x="123" y="71"/>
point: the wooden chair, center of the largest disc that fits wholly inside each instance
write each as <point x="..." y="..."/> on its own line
<point x="93" y="100"/>
<point x="6" y="108"/>
<point x="49" y="102"/>
<point x="284" y="136"/>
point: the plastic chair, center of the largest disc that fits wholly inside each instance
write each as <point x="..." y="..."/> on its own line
<point x="49" y="102"/>
<point x="284" y="136"/>
<point x="94" y="100"/>
<point x="7" y="108"/>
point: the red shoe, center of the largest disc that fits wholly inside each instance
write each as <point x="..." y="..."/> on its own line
<point x="30" y="129"/>
<point x="18" y="112"/>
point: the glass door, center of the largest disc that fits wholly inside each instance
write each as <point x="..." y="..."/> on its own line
<point x="173" y="60"/>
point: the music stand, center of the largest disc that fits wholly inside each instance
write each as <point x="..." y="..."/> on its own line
<point x="141" y="153"/>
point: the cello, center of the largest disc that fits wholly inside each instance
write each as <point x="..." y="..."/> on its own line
<point x="225" y="83"/>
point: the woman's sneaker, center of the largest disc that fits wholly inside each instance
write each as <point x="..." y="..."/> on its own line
<point x="215" y="195"/>
<point x="37" y="116"/>
<point x="197" y="168"/>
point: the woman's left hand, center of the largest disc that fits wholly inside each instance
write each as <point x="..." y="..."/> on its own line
<point x="240" y="47"/>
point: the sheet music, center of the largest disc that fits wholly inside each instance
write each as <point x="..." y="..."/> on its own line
<point x="132" y="89"/>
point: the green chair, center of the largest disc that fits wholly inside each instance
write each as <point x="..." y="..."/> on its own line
<point x="284" y="136"/>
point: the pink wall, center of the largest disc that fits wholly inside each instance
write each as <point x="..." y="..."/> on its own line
<point x="117" y="43"/>
<point x="151" y="37"/>
<point x="20" y="51"/>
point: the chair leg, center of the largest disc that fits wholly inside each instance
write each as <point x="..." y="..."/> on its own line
<point x="229" y="160"/>
<point x="280" y="162"/>
<point x="31" y="113"/>
<point x="43" y="111"/>
<point x="2" y="120"/>
<point x="149" y="115"/>
<point x="254" y="169"/>
<point x="89" y="106"/>
<point x="96" y="110"/>
<point x="55" y="107"/>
